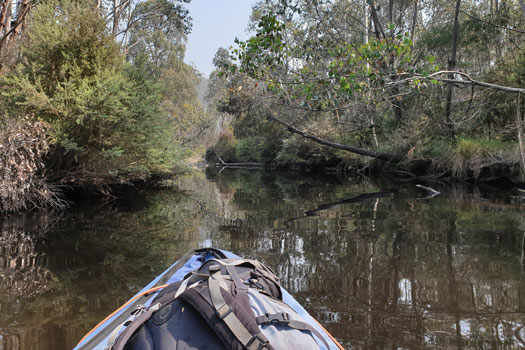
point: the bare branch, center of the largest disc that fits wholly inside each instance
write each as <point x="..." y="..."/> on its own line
<point x="466" y="81"/>
<point x="378" y="155"/>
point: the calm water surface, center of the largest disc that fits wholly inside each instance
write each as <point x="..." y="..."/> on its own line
<point x="380" y="270"/>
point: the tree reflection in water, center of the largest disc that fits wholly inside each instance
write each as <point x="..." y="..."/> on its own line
<point x="23" y="269"/>
<point x="394" y="271"/>
<point x="380" y="270"/>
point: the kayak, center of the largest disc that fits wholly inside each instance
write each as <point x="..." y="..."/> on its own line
<point x="175" y="278"/>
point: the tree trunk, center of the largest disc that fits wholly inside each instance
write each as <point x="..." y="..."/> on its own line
<point x="388" y="157"/>
<point x="367" y="25"/>
<point x="3" y="14"/>
<point x="519" y="127"/>
<point x="22" y="10"/>
<point x="12" y="28"/>
<point x="116" y="14"/>
<point x="380" y="33"/>
<point x="414" y="21"/>
<point x="390" y="11"/>
<point x="4" y="40"/>
<point x="452" y="67"/>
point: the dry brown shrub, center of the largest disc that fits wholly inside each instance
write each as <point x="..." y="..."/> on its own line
<point x="23" y="144"/>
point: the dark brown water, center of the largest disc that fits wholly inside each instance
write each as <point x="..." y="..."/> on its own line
<point x="379" y="270"/>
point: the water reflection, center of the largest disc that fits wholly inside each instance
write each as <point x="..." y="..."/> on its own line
<point x="24" y="271"/>
<point x="22" y="266"/>
<point x="392" y="271"/>
<point x="379" y="267"/>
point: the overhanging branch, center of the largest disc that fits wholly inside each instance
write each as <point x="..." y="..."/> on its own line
<point x="364" y="152"/>
<point x="467" y="80"/>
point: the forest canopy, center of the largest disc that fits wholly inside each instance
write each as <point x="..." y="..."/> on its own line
<point x="434" y="83"/>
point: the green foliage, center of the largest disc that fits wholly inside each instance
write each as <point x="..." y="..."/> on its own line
<point x="470" y="147"/>
<point x="351" y="68"/>
<point x="104" y="113"/>
<point x="375" y="87"/>
<point x="225" y="147"/>
<point x="158" y="40"/>
<point x="436" y="148"/>
<point x="296" y="149"/>
<point x="265" y="48"/>
<point x="249" y="149"/>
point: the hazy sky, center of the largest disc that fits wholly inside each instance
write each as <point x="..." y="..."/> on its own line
<point x="216" y="23"/>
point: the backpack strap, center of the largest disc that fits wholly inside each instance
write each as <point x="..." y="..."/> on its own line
<point x="283" y="318"/>
<point x="258" y="268"/>
<point x="226" y="314"/>
<point x="140" y="319"/>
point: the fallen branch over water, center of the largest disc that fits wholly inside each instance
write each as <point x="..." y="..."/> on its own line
<point x="222" y="164"/>
<point x="364" y="152"/>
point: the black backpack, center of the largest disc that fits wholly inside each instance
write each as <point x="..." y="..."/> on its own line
<point x="226" y="304"/>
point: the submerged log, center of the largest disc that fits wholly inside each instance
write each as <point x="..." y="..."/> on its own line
<point x="222" y="164"/>
<point x="244" y="164"/>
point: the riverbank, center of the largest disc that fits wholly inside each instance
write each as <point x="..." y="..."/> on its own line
<point x="498" y="174"/>
<point x="64" y="191"/>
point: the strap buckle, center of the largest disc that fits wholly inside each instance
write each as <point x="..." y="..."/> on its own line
<point x="281" y="317"/>
<point x="258" y="342"/>
<point x="278" y="318"/>
<point x="223" y="311"/>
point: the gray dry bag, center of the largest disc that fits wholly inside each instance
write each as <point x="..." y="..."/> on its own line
<point x="226" y="304"/>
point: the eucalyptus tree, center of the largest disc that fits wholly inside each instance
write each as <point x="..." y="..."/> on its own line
<point x="13" y="14"/>
<point x="158" y="29"/>
<point x="122" y="15"/>
<point x="325" y="60"/>
<point x="154" y="42"/>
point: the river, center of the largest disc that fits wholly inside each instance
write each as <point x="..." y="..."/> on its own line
<point x="381" y="269"/>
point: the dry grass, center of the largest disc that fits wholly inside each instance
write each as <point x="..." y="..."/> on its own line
<point x="474" y="154"/>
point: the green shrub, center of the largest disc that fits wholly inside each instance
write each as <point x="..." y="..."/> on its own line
<point x="250" y="149"/>
<point x="103" y="113"/>
<point x="298" y="149"/>
<point x="225" y="147"/>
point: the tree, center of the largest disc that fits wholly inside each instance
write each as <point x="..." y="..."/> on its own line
<point x="13" y="14"/>
<point x="106" y="121"/>
<point x="313" y="64"/>
<point x="452" y="65"/>
<point x="143" y="18"/>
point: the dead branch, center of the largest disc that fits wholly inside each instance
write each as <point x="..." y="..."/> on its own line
<point x="466" y="80"/>
<point x="378" y="155"/>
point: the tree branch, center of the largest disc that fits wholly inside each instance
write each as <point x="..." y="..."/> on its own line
<point x="364" y="152"/>
<point x="20" y="19"/>
<point x="466" y="81"/>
